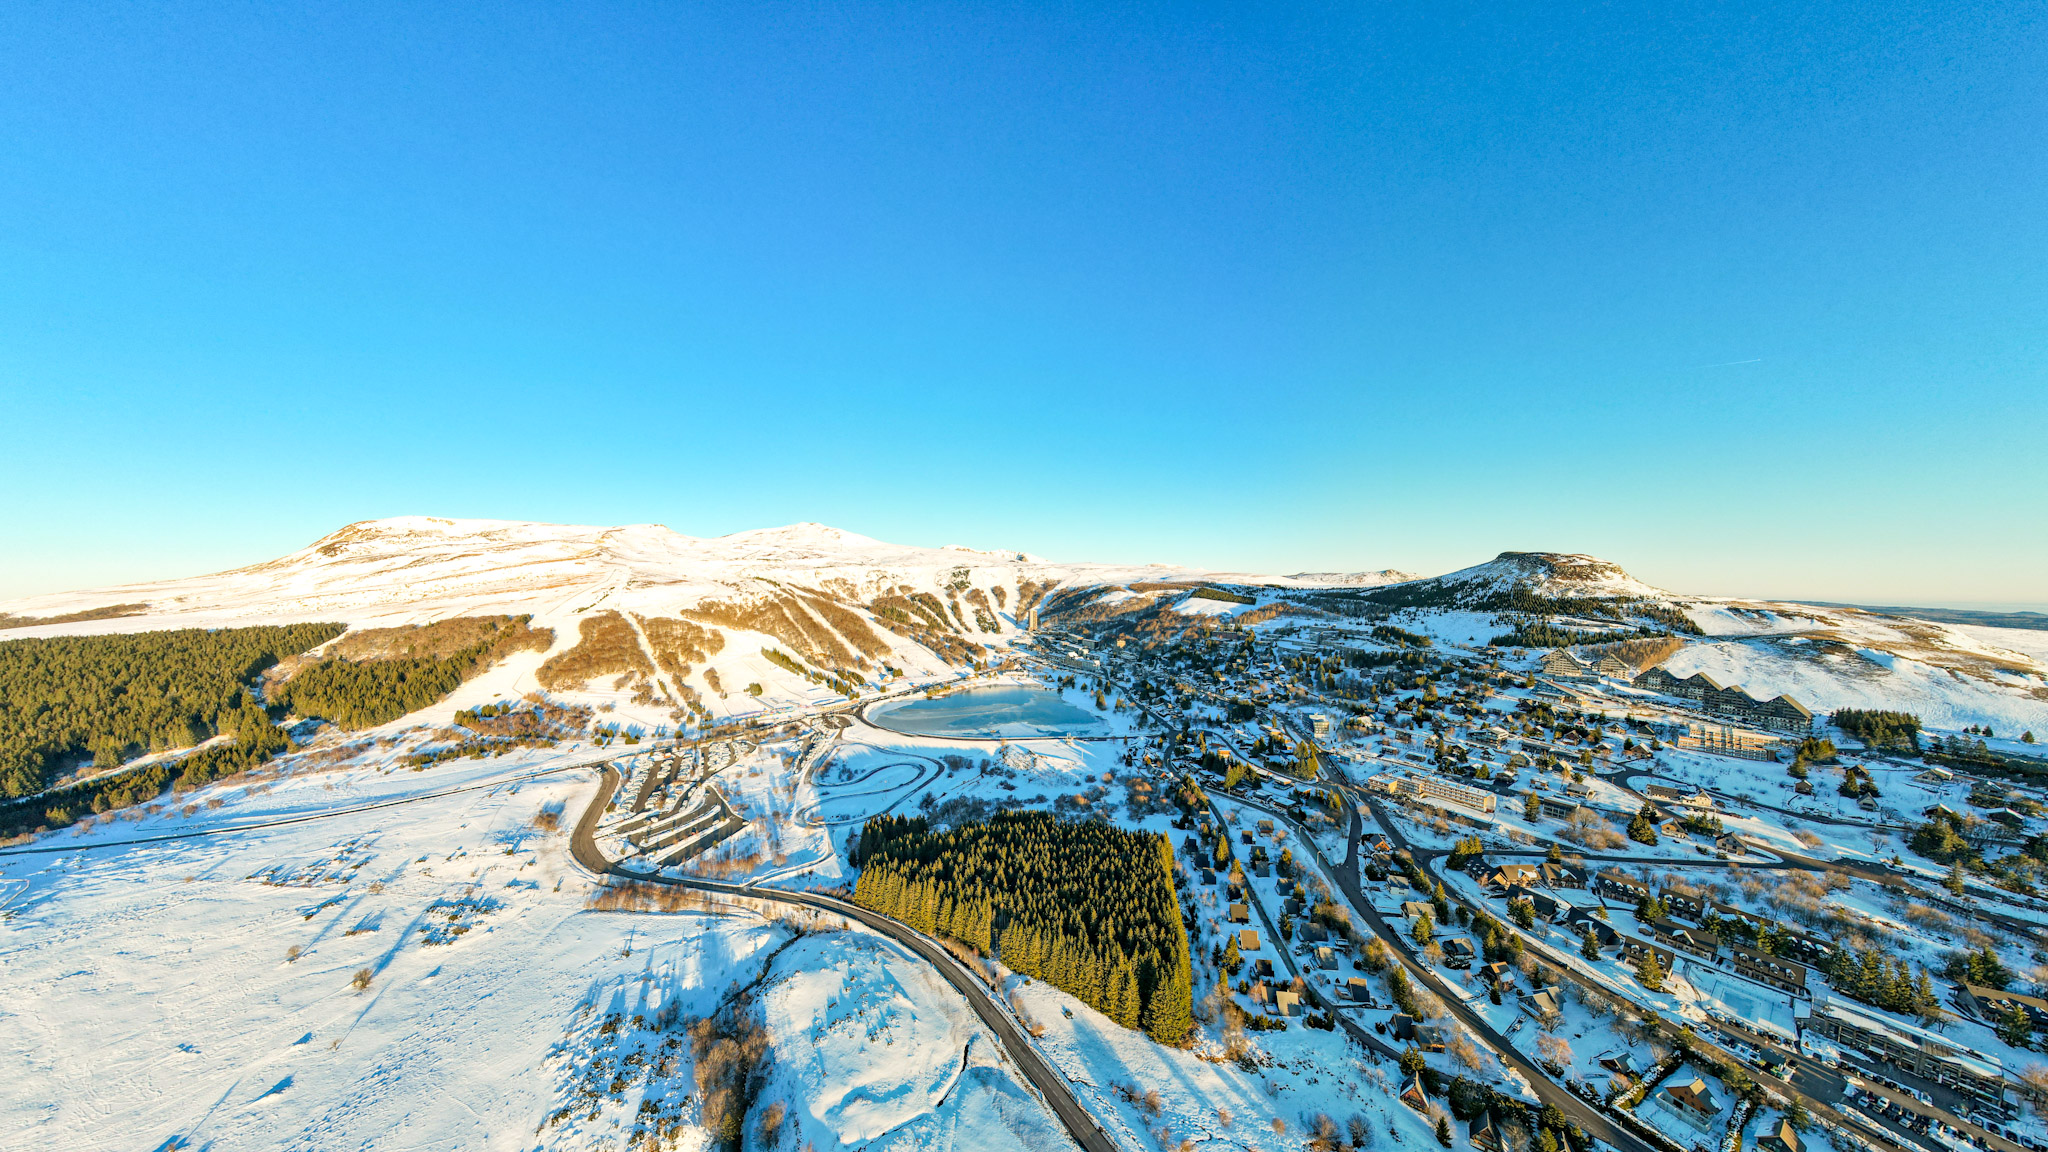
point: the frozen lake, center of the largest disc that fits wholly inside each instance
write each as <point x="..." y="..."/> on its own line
<point x="1011" y="711"/>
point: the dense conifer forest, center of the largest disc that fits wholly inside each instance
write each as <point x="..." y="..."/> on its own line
<point x="1084" y="906"/>
<point x="381" y="674"/>
<point x="113" y="698"/>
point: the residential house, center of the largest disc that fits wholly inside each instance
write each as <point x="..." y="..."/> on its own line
<point x="1414" y="1095"/>
<point x="1780" y="1137"/>
<point x="1429" y="1037"/>
<point x="1557" y="807"/>
<point x="1287" y="1003"/>
<point x="1514" y="876"/>
<point x="1412" y="909"/>
<point x="1248" y="940"/>
<point x="1483" y="1135"/>
<point x="1358" y="990"/>
<point x="1240" y="913"/>
<point x="1458" y="952"/>
<point x="1498" y="973"/>
<point x="1401" y="1026"/>
<point x="1326" y="957"/>
<point x="1691" y="1103"/>
<point x="1542" y="1005"/>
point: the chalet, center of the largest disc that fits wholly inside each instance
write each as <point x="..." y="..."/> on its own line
<point x="1691" y="1103"/>
<point x="1294" y="906"/>
<point x="1326" y="957"/>
<point x="1622" y="1062"/>
<point x="1401" y="1026"/>
<point x="1542" y="1005"/>
<point x="1557" y="807"/>
<point x="1764" y="968"/>
<point x="1612" y="667"/>
<point x="1483" y="1135"/>
<point x="1240" y="913"/>
<point x="1247" y="940"/>
<point x="1514" y="876"/>
<point x="1429" y="1037"/>
<point x="1313" y="933"/>
<point x="1732" y="844"/>
<point x="1696" y="941"/>
<point x="1262" y="870"/>
<point x="1358" y="989"/>
<point x="1563" y="876"/>
<point x="1684" y="799"/>
<point x="1681" y="904"/>
<point x="1287" y="1003"/>
<point x="1626" y="889"/>
<point x="1414" y="1095"/>
<point x="1548" y="908"/>
<point x="1191" y="846"/>
<point x="1583" y="923"/>
<point x="1498" y="973"/>
<point x="1633" y="950"/>
<point x="1415" y="909"/>
<point x="1992" y="1006"/>
<point x="1263" y="968"/>
<point x="1457" y="952"/>
<point x="1780" y="1137"/>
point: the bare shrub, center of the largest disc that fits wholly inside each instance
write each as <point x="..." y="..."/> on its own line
<point x="606" y="645"/>
<point x="639" y="896"/>
<point x="1807" y="838"/>
<point x="361" y="980"/>
<point x="1223" y="1117"/>
<point x="292" y="954"/>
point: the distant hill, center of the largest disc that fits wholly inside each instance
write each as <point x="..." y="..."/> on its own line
<point x="2038" y="621"/>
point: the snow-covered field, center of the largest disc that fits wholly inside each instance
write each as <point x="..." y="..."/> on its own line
<point x="204" y="989"/>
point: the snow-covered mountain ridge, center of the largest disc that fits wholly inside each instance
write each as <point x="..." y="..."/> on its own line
<point x="925" y="611"/>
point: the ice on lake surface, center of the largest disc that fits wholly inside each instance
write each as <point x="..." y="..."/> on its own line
<point x="1011" y="711"/>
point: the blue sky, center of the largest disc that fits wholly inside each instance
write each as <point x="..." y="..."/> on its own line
<point x="1748" y="300"/>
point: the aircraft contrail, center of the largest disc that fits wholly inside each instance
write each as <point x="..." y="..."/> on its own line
<point x="1733" y="363"/>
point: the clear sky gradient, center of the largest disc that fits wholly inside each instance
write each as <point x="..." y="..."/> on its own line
<point x="1747" y="299"/>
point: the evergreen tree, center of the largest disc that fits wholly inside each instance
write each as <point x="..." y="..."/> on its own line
<point x="2017" y="1029"/>
<point x="1590" y="949"/>
<point x="1649" y="973"/>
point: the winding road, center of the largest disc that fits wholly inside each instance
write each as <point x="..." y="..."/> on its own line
<point x="1050" y="1085"/>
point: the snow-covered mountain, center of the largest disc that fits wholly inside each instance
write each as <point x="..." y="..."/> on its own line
<point x="840" y="601"/>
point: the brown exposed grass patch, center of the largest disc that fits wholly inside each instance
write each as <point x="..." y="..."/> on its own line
<point x="606" y="645"/>
<point x="678" y="643"/>
<point x="110" y="612"/>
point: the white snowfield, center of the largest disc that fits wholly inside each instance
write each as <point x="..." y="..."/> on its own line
<point x="151" y="992"/>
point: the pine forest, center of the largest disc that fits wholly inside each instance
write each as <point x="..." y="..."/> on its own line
<point x="1086" y="907"/>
